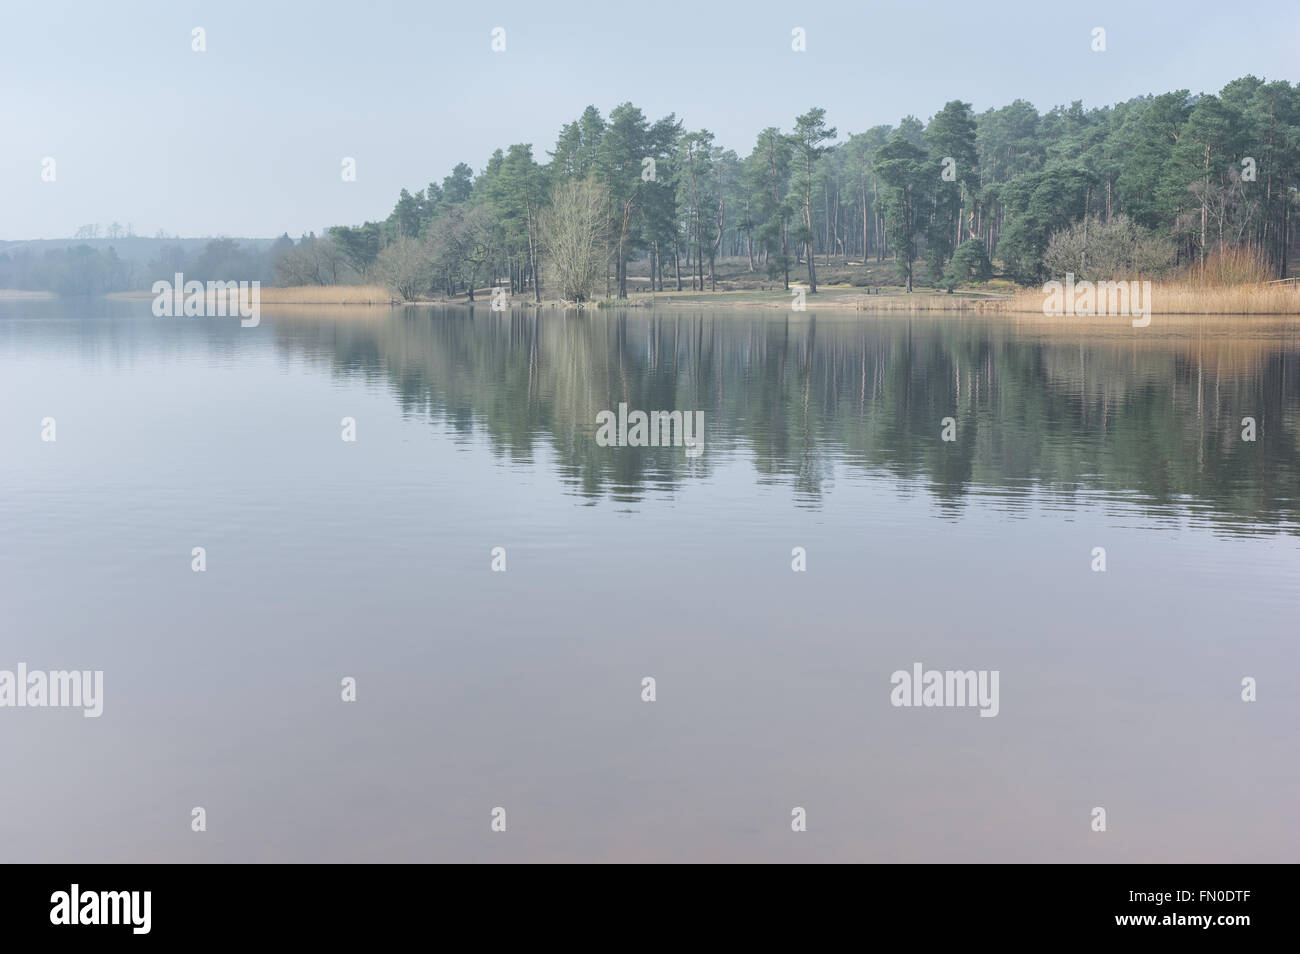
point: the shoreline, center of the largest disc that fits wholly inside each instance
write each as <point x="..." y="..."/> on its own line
<point x="1167" y="299"/>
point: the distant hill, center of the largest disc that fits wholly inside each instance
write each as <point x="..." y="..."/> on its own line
<point x="99" y="266"/>
<point x="136" y="249"/>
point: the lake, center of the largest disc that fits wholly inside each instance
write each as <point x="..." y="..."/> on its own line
<point x="372" y="559"/>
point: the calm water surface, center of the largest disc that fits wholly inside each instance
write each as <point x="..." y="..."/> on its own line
<point x="522" y="689"/>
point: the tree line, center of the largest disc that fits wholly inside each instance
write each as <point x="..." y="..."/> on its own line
<point x="1154" y="183"/>
<point x="1151" y="185"/>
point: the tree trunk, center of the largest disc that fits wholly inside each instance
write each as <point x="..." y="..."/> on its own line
<point x="864" y="223"/>
<point x="826" y="248"/>
<point x="1205" y="197"/>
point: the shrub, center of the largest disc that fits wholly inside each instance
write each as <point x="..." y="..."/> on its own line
<point x="970" y="263"/>
<point x="1097" y="251"/>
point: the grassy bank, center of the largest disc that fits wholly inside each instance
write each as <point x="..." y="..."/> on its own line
<point x="838" y="297"/>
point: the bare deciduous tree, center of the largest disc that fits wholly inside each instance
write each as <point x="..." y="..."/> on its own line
<point x="405" y="268"/>
<point x="573" y="235"/>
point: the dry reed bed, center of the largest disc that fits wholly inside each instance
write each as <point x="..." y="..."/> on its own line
<point x="303" y="295"/>
<point x="1170" y="298"/>
<point x="327" y="295"/>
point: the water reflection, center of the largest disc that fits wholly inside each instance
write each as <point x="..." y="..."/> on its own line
<point x="1057" y="413"/>
<point x="1063" y="413"/>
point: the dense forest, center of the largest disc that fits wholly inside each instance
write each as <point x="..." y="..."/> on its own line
<point x="1150" y="186"/>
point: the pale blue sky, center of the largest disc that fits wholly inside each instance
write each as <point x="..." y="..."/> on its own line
<point x="247" y="138"/>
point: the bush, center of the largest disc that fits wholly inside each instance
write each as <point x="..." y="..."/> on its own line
<point x="1118" y="250"/>
<point x="969" y="264"/>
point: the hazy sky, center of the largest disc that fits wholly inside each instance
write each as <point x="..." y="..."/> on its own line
<point x="246" y="138"/>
